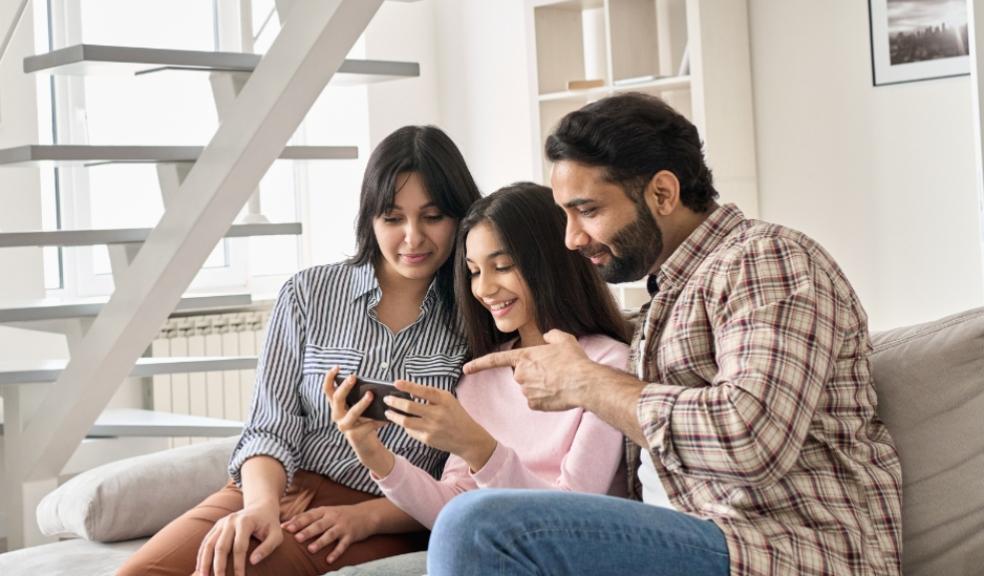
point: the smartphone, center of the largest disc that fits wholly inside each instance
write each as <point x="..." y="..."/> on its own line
<point x="377" y="408"/>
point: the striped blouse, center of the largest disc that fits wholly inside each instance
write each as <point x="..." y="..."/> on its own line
<point x="326" y="316"/>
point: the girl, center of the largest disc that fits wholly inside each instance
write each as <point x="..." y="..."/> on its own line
<point x="388" y="312"/>
<point x="514" y="280"/>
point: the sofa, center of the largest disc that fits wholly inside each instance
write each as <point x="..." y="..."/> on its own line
<point x="930" y="384"/>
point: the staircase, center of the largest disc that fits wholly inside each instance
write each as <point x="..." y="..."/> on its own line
<point x="54" y="410"/>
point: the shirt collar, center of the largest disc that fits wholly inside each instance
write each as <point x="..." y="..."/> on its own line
<point x="702" y="241"/>
<point x="430" y="297"/>
<point x="364" y="281"/>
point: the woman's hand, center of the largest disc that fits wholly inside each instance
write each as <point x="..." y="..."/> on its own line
<point x="230" y="536"/>
<point x="344" y="525"/>
<point x="441" y="423"/>
<point x="361" y="433"/>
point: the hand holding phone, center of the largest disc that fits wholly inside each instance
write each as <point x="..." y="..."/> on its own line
<point x="377" y="409"/>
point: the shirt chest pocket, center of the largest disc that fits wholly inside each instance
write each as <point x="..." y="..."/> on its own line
<point x="437" y="370"/>
<point x="318" y="360"/>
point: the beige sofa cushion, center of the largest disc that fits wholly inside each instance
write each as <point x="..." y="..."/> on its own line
<point x="930" y="383"/>
<point x="135" y="497"/>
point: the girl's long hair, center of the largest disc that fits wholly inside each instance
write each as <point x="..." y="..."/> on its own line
<point x="567" y="292"/>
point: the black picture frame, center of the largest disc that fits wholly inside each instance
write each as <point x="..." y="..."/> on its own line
<point x="915" y="40"/>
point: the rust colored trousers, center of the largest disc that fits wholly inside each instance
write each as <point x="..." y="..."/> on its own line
<point x="174" y="550"/>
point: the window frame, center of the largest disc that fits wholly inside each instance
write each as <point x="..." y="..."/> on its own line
<point x="71" y="190"/>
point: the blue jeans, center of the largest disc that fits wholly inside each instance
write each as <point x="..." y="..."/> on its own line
<point x="527" y="532"/>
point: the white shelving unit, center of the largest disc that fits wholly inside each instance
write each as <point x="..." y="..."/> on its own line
<point x="692" y="53"/>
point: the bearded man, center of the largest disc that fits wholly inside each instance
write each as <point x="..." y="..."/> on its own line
<point x="750" y="392"/>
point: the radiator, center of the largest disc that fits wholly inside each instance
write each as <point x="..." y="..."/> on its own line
<point x="224" y="394"/>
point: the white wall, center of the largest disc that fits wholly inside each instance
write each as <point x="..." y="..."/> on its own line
<point x="472" y="83"/>
<point x="18" y="125"/>
<point x="404" y="31"/>
<point x="20" y="204"/>
<point x="20" y="200"/>
<point x="485" y="94"/>
<point x="883" y="177"/>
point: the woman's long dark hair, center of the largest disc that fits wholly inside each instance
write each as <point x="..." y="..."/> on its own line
<point x="567" y="292"/>
<point x="429" y="152"/>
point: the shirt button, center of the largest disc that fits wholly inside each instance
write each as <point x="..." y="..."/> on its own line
<point x="384" y="365"/>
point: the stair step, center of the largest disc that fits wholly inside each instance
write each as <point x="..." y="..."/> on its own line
<point x="129" y="235"/>
<point x="94" y="452"/>
<point x="97" y="59"/>
<point x="148" y="423"/>
<point x="60" y="309"/>
<point x="131" y="422"/>
<point x="50" y="370"/>
<point x="67" y="154"/>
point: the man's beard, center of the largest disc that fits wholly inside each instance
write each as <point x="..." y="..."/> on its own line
<point x="638" y="245"/>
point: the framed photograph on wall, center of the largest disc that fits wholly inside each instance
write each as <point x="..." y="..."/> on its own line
<point x="918" y="39"/>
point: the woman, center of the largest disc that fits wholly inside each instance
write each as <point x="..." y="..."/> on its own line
<point x="514" y="280"/>
<point x="388" y="312"/>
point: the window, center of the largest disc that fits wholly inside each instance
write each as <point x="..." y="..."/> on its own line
<point x="176" y="108"/>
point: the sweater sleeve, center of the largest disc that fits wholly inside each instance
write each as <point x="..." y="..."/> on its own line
<point x="418" y="494"/>
<point x="594" y="456"/>
<point x="589" y="466"/>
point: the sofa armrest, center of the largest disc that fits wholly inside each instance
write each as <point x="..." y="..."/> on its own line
<point x="135" y="497"/>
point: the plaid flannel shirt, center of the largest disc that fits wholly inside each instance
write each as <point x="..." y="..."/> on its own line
<point x="760" y="412"/>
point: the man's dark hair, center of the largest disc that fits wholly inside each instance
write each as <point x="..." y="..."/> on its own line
<point x="567" y="292"/>
<point x="633" y="136"/>
<point x="429" y="152"/>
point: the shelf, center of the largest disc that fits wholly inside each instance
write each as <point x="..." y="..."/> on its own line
<point x="666" y="84"/>
<point x="148" y="423"/>
<point x="116" y="423"/>
<point x="568" y="4"/>
<point x="86" y="154"/>
<point x="129" y="235"/>
<point x="50" y="370"/>
<point x="83" y="59"/>
<point x="59" y="309"/>
<point x="588" y="94"/>
<point x="695" y="58"/>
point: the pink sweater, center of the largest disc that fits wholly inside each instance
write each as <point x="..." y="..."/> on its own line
<point x="573" y="450"/>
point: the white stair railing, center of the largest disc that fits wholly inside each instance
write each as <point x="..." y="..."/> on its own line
<point x="313" y="42"/>
<point x="14" y="22"/>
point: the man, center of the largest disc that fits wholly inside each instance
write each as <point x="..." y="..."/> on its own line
<point x="751" y="396"/>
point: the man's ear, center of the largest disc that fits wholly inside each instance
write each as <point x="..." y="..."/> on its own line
<point x="662" y="194"/>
